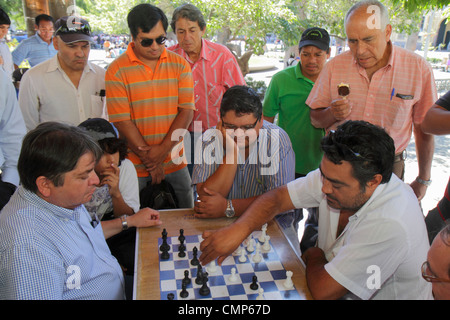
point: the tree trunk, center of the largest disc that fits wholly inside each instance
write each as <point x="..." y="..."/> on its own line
<point x="32" y="8"/>
<point x="61" y="8"/>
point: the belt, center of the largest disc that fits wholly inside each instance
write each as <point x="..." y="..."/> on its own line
<point x="400" y="156"/>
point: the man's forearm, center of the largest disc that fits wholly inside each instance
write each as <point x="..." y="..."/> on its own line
<point x="322" y="118"/>
<point x="425" y="151"/>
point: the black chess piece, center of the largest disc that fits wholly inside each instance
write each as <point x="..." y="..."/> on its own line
<point x="165" y="254"/>
<point x="181" y="252"/>
<point x="194" y="260"/>
<point x="183" y="293"/>
<point x="204" y="290"/>
<point x="198" y="279"/>
<point x="254" y="284"/>
<point x="182" y="246"/>
<point x="186" y="278"/>
<point x="164" y="245"/>
<point x="170" y="296"/>
<point x="181" y="238"/>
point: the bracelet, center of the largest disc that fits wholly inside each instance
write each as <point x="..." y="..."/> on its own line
<point x="424" y="182"/>
<point x="124" y="222"/>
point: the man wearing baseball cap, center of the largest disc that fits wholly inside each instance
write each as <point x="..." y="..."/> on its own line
<point x="286" y="96"/>
<point x="66" y="88"/>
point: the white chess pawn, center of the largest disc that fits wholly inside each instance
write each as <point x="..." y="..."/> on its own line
<point x="250" y="246"/>
<point x="260" y="294"/>
<point x="288" y="284"/>
<point x="212" y="268"/>
<point x="243" y="257"/>
<point x="266" y="246"/>
<point x="262" y="236"/>
<point x="233" y="277"/>
<point x="257" y="256"/>
<point x="247" y="240"/>
<point x="238" y="251"/>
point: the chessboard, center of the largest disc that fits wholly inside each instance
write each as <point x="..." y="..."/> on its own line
<point x="242" y="276"/>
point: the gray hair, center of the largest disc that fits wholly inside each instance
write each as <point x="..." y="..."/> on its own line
<point x="190" y="12"/>
<point x="384" y="14"/>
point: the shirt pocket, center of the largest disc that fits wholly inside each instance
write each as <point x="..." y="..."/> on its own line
<point x="98" y="107"/>
<point x="214" y="93"/>
<point x="399" y="115"/>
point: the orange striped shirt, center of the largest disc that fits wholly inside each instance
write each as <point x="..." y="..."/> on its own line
<point x="407" y="77"/>
<point x="150" y="99"/>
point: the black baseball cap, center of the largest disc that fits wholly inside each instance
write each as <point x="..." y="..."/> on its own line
<point x="73" y="29"/>
<point x="317" y="37"/>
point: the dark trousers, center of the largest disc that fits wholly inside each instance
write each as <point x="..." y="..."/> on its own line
<point x="6" y="191"/>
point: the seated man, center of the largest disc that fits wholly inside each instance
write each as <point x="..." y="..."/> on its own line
<point x="372" y="238"/>
<point x="50" y="246"/>
<point x="243" y="157"/>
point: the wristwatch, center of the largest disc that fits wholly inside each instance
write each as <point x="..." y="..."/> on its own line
<point x="229" y="212"/>
<point x="424" y="182"/>
<point x="124" y="222"/>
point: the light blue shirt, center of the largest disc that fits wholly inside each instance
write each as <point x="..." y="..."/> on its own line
<point x="34" y="49"/>
<point x="5" y="53"/>
<point x="12" y="130"/>
<point x="270" y="164"/>
<point x="49" y="252"/>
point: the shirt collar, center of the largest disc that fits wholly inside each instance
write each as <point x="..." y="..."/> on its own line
<point x="299" y="74"/>
<point x="55" y="65"/>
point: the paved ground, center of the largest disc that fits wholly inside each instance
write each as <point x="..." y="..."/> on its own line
<point x="441" y="164"/>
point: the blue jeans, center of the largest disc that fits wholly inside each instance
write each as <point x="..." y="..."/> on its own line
<point x="181" y="183"/>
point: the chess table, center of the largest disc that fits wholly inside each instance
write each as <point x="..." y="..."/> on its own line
<point x="147" y="273"/>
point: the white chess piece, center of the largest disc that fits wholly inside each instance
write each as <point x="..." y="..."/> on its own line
<point x="260" y="294"/>
<point x="212" y="268"/>
<point x="247" y="240"/>
<point x="257" y="256"/>
<point x="262" y="236"/>
<point x="250" y="246"/>
<point x="233" y="277"/>
<point x="243" y="257"/>
<point x="288" y="284"/>
<point x="266" y="246"/>
<point x="238" y="251"/>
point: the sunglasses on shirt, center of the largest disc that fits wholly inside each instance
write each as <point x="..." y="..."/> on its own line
<point x="147" y="42"/>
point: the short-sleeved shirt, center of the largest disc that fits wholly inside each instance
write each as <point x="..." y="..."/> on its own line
<point x="444" y="101"/>
<point x="214" y="72"/>
<point x="397" y="96"/>
<point x="5" y="53"/>
<point x="33" y="49"/>
<point x="150" y="99"/>
<point x="379" y="253"/>
<point x="286" y="96"/>
<point x="269" y="165"/>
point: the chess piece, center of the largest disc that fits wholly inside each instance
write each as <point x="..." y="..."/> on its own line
<point x="181" y="238"/>
<point x="186" y="278"/>
<point x="183" y="293"/>
<point x="288" y="284"/>
<point x="262" y="236"/>
<point x="233" y="277"/>
<point x="257" y="256"/>
<point x="204" y="290"/>
<point x="212" y="268"/>
<point x="181" y="252"/>
<point x="164" y="245"/>
<point x="194" y="260"/>
<point x="182" y="246"/>
<point x="266" y="246"/>
<point x="198" y="279"/>
<point x="251" y="245"/>
<point x="165" y="254"/>
<point x="254" y="284"/>
<point x="170" y="296"/>
<point x="243" y="257"/>
<point x="260" y="294"/>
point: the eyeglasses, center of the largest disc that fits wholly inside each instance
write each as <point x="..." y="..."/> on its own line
<point x="147" y="42"/>
<point x="79" y="28"/>
<point x="244" y="128"/>
<point x="430" y="277"/>
<point x="344" y="149"/>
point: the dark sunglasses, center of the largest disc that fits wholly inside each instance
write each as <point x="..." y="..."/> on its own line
<point x="79" y="28"/>
<point x="147" y="42"/>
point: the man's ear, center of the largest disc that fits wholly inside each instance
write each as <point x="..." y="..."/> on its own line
<point x="375" y="182"/>
<point x="44" y="186"/>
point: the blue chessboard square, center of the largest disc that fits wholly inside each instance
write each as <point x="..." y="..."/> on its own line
<point x="278" y="274"/>
<point x="268" y="286"/>
<point x="236" y="289"/>
<point x="216" y="281"/>
<point x="167" y="274"/>
<point x="181" y="264"/>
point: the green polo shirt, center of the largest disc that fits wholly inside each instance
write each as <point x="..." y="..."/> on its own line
<point x="286" y="96"/>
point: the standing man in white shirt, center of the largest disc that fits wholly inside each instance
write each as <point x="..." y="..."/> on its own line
<point x="66" y="88"/>
<point x="6" y="61"/>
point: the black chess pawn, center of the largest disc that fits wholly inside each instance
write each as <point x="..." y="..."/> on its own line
<point x="181" y="237"/>
<point x="204" y="290"/>
<point x="170" y="296"/>
<point x="164" y="245"/>
<point x="181" y="252"/>
<point x="165" y="254"/>
<point x="186" y="278"/>
<point x="183" y="293"/>
<point x="182" y="246"/>
<point x="194" y="260"/>
<point x="254" y="284"/>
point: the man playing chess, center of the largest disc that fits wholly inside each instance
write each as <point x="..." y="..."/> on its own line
<point x="372" y="238"/>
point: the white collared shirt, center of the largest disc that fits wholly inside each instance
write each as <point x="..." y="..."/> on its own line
<point x="47" y="94"/>
<point x="386" y="238"/>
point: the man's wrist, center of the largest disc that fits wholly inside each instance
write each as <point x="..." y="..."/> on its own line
<point x="424" y="182"/>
